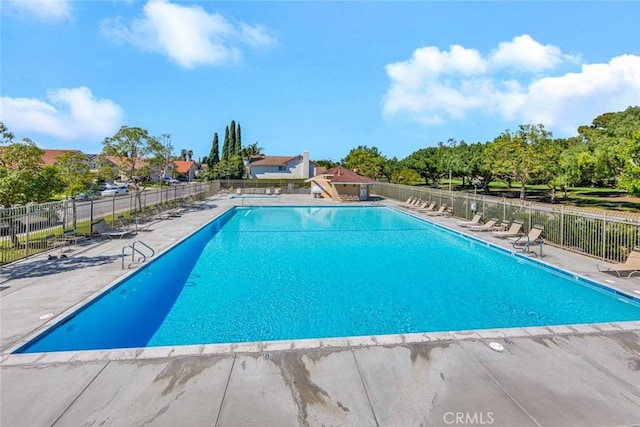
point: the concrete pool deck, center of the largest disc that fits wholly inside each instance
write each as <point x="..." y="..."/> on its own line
<point x="548" y="376"/>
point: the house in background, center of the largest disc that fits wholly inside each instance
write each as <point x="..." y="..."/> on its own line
<point x="97" y="161"/>
<point x="50" y="157"/>
<point x="340" y="184"/>
<point x="186" y="168"/>
<point x="281" y="167"/>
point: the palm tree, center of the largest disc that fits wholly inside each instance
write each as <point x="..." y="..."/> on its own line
<point x="252" y="150"/>
<point x="190" y="154"/>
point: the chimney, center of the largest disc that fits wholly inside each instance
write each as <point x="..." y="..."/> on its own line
<point x="305" y="165"/>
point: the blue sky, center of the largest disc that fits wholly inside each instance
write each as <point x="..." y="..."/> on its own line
<point x="313" y="75"/>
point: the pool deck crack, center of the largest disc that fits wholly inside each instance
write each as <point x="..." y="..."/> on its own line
<point x="80" y="394"/>
<point x="366" y="393"/>
<point x="504" y="390"/>
<point x="226" y="387"/>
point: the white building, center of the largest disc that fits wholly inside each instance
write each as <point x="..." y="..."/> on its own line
<point x="282" y="167"/>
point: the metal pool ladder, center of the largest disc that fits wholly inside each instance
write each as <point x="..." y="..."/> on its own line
<point x="142" y="256"/>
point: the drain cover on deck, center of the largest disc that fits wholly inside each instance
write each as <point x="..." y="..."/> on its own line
<point x="496" y="346"/>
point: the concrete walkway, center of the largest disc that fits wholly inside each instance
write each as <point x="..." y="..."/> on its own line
<point x="581" y="375"/>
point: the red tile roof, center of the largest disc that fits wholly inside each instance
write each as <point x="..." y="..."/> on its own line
<point x="346" y="176"/>
<point x="50" y="157"/>
<point x="116" y="161"/>
<point x="183" y="166"/>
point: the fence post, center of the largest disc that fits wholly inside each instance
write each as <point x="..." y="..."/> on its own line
<point x="28" y="232"/>
<point x="604" y="235"/>
<point x="91" y="218"/>
<point x="504" y="206"/>
<point x="562" y="226"/>
<point x="113" y="208"/>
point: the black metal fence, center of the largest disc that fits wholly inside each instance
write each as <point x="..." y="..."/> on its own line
<point x="34" y="228"/>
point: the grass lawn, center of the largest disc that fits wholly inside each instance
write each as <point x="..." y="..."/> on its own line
<point x="604" y="198"/>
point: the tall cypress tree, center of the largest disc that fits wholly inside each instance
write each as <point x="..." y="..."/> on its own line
<point x="225" y="145"/>
<point x="239" y="141"/>
<point x="232" y="139"/>
<point x="214" y="154"/>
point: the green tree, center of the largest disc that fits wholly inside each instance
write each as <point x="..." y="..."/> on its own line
<point x="327" y="163"/>
<point x="227" y="169"/>
<point x="549" y="170"/>
<point x="472" y="165"/>
<point x="74" y="173"/>
<point x="368" y="161"/>
<point x="252" y="150"/>
<point x="608" y="138"/>
<point x="225" y="145"/>
<point x="630" y="177"/>
<point x="214" y="154"/>
<point x="390" y="167"/>
<point x="515" y="156"/>
<point x="6" y="137"/>
<point x="238" y="150"/>
<point x="23" y="178"/>
<point x="429" y="162"/>
<point x="232" y="140"/>
<point x="407" y="177"/>
<point x="138" y="154"/>
<point x="183" y="155"/>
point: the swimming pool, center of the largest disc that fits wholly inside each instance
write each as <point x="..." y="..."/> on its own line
<point x="274" y="273"/>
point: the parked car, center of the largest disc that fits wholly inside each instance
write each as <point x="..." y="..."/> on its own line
<point x="170" y="181"/>
<point x="87" y="195"/>
<point x="117" y="191"/>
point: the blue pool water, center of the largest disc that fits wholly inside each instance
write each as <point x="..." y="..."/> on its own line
<point x="273" y="273"/>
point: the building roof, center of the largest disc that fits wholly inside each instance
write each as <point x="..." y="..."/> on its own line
<point x="117" y="161"/>
<point x="272" y="160"/>
<point x="50" y="157"/>
<point x="345" y="176"/>
<point x="183" y="166"/>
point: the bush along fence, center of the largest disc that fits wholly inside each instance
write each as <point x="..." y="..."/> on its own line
<point x="607" y="235"/>
<point x="31" y="229"/>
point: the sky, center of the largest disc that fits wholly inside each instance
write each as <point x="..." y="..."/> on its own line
<point x="317" y="76"/>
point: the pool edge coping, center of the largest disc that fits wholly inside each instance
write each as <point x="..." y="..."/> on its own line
<point x="267" y="347"/>
<point x="7" y="356"/>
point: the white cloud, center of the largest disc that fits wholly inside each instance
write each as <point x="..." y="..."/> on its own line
<point x="47" y="10"/>
<point x="189" y="35"/>
<point x="523" y="52"/>
<point x="72" y="114"/>
<point x="439" y="86"/>
<point x="596" y="89"/>
<point x="256" y="36"/>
